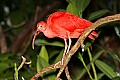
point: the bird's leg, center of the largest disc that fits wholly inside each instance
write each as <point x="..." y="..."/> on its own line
<point x="66" y="46"/>
<point x="69" y="44"/>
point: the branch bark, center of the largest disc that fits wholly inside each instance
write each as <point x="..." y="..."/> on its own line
<point x="3" y="45"/>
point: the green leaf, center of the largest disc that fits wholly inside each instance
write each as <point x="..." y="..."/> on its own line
<point x="81" y="5"/>
<point x="41" y="63"/>
<point x="42" y="60"/>
<point x="59" y="56"/>
<point x="80" y="75"/>
<point x="4" y="57"/>
<point x="105" y="69"/>
<point x="4" y="66"/>
<point x="115" y="56"/>
<point x="97" y="14"/>
<point x="53" y="53"/>
<point x="17" y="17"/>
<point x="87" y="44"/>
<point x="72" y="9"/>
<point x="83" y="71"/>
<point x="71" y="1"/>
<point x="116" y="78"/>
<point x="97" y="55"/>
<point x="100" y="75"/>
<point x="7" y="75"/>
<point x="86" y="67"/>
<point x="44" y="54"/>
<point x="80" y="56"/>
<point x="44" y="42"/>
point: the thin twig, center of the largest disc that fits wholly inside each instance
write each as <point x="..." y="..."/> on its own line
<point x="54" y="66"/>
<point x="15" y="26"/>
<point x="23" y="62"/>
<point x="21" y="65"/>
<point x="79" y="42"/>
<point x="67" y="73"/>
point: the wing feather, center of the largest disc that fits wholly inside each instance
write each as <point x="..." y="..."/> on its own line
<point x="67" y="21"/>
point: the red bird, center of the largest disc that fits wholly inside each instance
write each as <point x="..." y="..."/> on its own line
<point x="63" y="25"/>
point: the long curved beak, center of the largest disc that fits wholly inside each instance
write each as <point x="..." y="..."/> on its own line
<point x="33" y="41"/>
<point x="37" y="32"/>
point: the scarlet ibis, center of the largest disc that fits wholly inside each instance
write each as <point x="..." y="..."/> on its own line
<point x="63" y="25"/>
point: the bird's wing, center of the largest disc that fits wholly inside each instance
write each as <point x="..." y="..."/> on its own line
<point x="67" y="21"/>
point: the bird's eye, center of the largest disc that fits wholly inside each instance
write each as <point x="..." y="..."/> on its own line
<point x="40" y="26"/>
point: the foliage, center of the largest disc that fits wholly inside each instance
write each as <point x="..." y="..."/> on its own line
<point x="101" y="57"/>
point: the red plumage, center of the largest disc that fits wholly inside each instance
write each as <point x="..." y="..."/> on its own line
<point x="64" y="25"/>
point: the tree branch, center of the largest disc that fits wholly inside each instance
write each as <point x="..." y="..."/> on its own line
<point x="54" y="66"/>
<point x="79" y="42"/>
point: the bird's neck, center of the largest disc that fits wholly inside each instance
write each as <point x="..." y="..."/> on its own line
<point x="49" y="33"/>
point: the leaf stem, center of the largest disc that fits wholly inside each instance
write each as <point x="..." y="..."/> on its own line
<point x="81" y="58"/>
<point x="92" y="64"/>
<point x="16" y="72"/>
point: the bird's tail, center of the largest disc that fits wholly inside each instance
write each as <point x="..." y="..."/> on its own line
<point x="93" y="33"/>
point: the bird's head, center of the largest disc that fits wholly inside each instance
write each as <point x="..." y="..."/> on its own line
<point x="41" y="27"/>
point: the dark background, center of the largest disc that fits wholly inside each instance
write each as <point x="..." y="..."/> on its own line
<point x="18" y="19"/>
